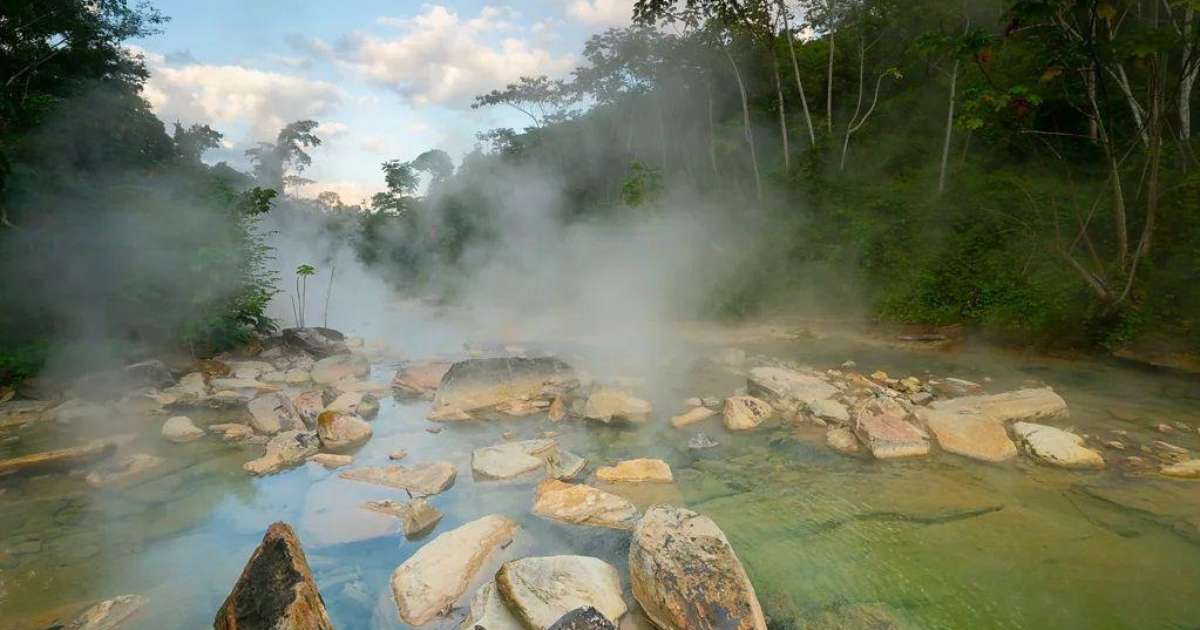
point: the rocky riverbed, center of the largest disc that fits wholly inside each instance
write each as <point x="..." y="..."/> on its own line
<point x="821" y="485"/>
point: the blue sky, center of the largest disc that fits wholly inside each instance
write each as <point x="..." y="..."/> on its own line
<point x="385" y="79"/>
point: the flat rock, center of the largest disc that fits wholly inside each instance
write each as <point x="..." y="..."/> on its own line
<point x="540" y="590"/>
<point x="181" y="429"/>
<point x="830" y="410"/>
<point x="274" y="412"/>
<point x="881" y="425"/>
<point x="309" y="405"/>
<point x="685" y="574"/>
<point x="276" y="589"/>
<point x="488" y="611"/>
<point x="692" y="416"/>
<point x="478" y="384"/>
<point x="1189" y="469"/>
<point x="607" y="404"/>
<point x="362" y="404"/>
<point x="109" y="614"/>
<point x="420" y="379"/>
<point x="124" y="470"/>
<point x="330" y="370"/>
<point x="578" y="504"/>
<point x="975" y="436"/>
<point x="416" y="516"/>
<point x="565" y="466"/>
<point x="421" y="481"/>
<point x="951" y="387"/>
<point x="231" y="431"/>
<point x="1056" y="447"/>
<point x="331" y="461"/>
<point x="284" y="450"/>
<point x="20" y="412"/>
<point x="636" y="471"/>
<point x="745" y="413"/>
<point x="234" y="384"/>
<point x="511" y="459"/>
<point x="434" y="578"/>
<point x="1022" y="405"/>
<point x="788" y="389"/>
<point x="60" y="459"/>
<point x="842" y="440"/>
<point x="340" y="431"/>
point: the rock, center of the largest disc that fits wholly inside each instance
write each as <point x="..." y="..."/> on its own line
<point x="505" y="461"/>
<point x="436" y="576"/>
<point x="879" y="376"/>
<point x="251" y="370"/>
<point x="447" y="414"/>
<point x="1165" y="451"/>
<point x="713" y="402"/>
<point x="419" y="379"/>
<point x="109" y="614"/>
<point x="331" y="461"/>
<point x="557" y="410"/>
<point x="701" y="441"/>
<point x="76" y="411"/>
<point x="331" y="370"/>
<point x="830" y="410"/>
<point x="578" y="504"/>
<point x="238" y="384"/>
<point x="1115" y="445"/>
<point x="1164" y="428"/>
<point x="1020" y="405"/>
<point x="1056" y="447"/>
<point x="921" y="398"/>
<point x="540" y="590"/>
<point x="975" y="436"/>
<point x="743" y="413"/>
<point x="565" y="466"/>
<point x="583" y="619"/>
<point x="342" y="431"/>
<point x="152" y="373"/>
<point x="416" y="516"/>
<point x="362" y="404"/>
<point x="1185" y="470"/>
<point x="607" y="404"/>
<point x="15" y="413"/>
<point x="276" y="589"/>
<point x="316" y="342"/>
<point x="284" y="450"/>
<point x="842" y="440"/>
<point x="433" y="430"/>
<point x="636" y="471"/>
<point x="420" y="481"/>
<point x="478" y="384"/>
<point x="397" y="455"/>
<point x="951" y="387"/>
<point x="60" y="459"/>
<point x="787" y="389"/>
<point x="309" y="405"/>
<point x="692" y="416"/>
<point x="272" y="413"/>
<point x="685" y="574"/>
<point x="180" y="429"/>
<point x="124" y="470"/>
<point x="881" y="425"/>
<point x="231" y="432"/>
<point x="296" y="376"/>
<point x="694" y="401"/>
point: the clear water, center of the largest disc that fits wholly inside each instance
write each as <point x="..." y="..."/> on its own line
<point x="942" y="542"/>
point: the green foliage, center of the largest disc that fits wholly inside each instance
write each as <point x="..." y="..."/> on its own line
<point x="643" y="185"/>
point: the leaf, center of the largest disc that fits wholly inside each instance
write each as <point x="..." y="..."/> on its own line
<point x="1051" y="74"/>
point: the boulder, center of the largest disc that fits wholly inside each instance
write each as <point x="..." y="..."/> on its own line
<point x="331" y="370"/>
<point x="152" y="373"/>
<point x="583" y="619"/>
<point x="974" y="436"/>
<point x="607" y="404"/>
<point x="296" y="376"/>
<point x="109" y="614"/>
<point x="882" y="426"/>
<point x="479" y="384"/>
<point x="284" y="450"/>
<point x="362" y="404"/>
<point x="15" y="413"/>
<point x="331" y="461"/>
<point x="488" y="611"/>
<point x="1056" y="447"/>
<point x="744" y="413"/>
<point x="309" y="405"/>
<point x="434" y="578"/>
<point x="342" y="431"/>
<point x="231" y="432"/>
<point x="842" y="440"/>
<point x="951" y="387"/>
<point x="181" y="429"/>
<point x="76" y="411"/>
<point x="272" y="413"/>
<point x="692" y="416"/>
<point x="512" y="459"/>
<point x="276" y="589"/>
<point x="636" y="471"/>
<point x="60" y="459"/>
<point x="578" y="504"/>
<point x="315" y="341"/>
<point x="420" y="481"/>
<point x="190" y="388"/>
<point x="250" y="370"/>
<point x="416" y="516"/>
<point x="685" y="574"/>
<point x="830" y="410"/>
<point x="1189" y="469"/>
<point x="788" y="390"/>
<point x="1022" y="405"/>
<point x="124" y="470"/>
<point x="565" y="465"/>
<point x="419" y="379"/>
<point x="540" y="590"/>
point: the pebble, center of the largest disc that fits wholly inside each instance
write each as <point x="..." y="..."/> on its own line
<point x="849" y="365"/>
<point x="1164" y="428"/>
<point x="398" y="455"/>
<point x="433" y="429"/>
<point x="1115" y="444"/>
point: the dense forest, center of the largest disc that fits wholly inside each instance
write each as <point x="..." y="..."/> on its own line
<point x="1025" y="169"/>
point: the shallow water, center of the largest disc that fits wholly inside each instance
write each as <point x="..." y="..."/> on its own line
<point x="942" y="542"/>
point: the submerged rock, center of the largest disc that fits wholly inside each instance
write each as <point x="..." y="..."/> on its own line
<point x="685" y="574"/>
<point x="416" y="516"/>
<point x="842" y="440"/>
<point x="124" y="470"/>
<point x="701" y="441"/>
<point x="1056" y="447"/>
<point x="276" y="590"/>
<point x="692" y="416"/>
<point x="361" y="404"/>
<point x="419" y="379"/>
<point x="284" y="450"/>
<point x="745" y="413"/>
<point x="578" y="504"/>
<point x="882" y="427"/>
<point x="607" y="404"/>
<point x="436" y="576"/>
<point x="513" y="459"/>
<point x="274" y="412"/>
<point x="479" y="384"/>
<point x="109" y="614"/>
<point x="181" y="429"/>
<point x="14" y="413"/>
<point x="420" y="481"/>
<point x="331" y="370"/>
<point x="76" y="411"/>
<point x="636" y="471"/>
<point x="340" y="431"/>
<point x="565" y="466"/>
<point x="231" y="432"/>
<point x="539" y="591"/>
<point x="60" y="459"/>
<point x="331" y="461"/>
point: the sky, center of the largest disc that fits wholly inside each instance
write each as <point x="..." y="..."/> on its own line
<point x="385" y="80"/>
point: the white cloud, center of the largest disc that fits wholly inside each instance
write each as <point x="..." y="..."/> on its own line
<point x="230" y="95"/>
<point x="331" y="130"/>
<point x="440" y="58"/>
<point x="602" y="12"/>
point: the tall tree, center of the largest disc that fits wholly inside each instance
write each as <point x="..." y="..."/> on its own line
<point x="278" y="164"/>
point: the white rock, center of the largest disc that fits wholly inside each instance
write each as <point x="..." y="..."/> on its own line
<point x="180" y="429"/>
<point x="1056" y="447"/>
<point x="540" y="590"/>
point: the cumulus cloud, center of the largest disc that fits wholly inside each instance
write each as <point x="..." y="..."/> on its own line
<point x="601" y="12"/>
<point x="229" y="95"/>
<point x="438" y="57"/>
<point x="331" y="130"/>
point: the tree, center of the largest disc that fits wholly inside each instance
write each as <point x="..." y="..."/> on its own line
<point x="191" y="143"/>
<point x="540" y="98"/>
<point x="437" y="164"/>
<point x="277" y="164"/>
<point x="402" y="181"/>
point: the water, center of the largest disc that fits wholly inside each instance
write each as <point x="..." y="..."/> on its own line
<point x="942" y="542"/>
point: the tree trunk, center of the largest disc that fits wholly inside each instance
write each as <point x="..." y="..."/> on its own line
<point x="1188" y="81"/>
<point x="812" y="136"/>
<point x="949" y="129"/>
<point x="862" y="61"/>
<point x="829" y="74"/>
<point x="662" y="132"/>
<point x="712" y="135"/>
<point x="746" y="123"/>
<point x="783" y="130"/>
